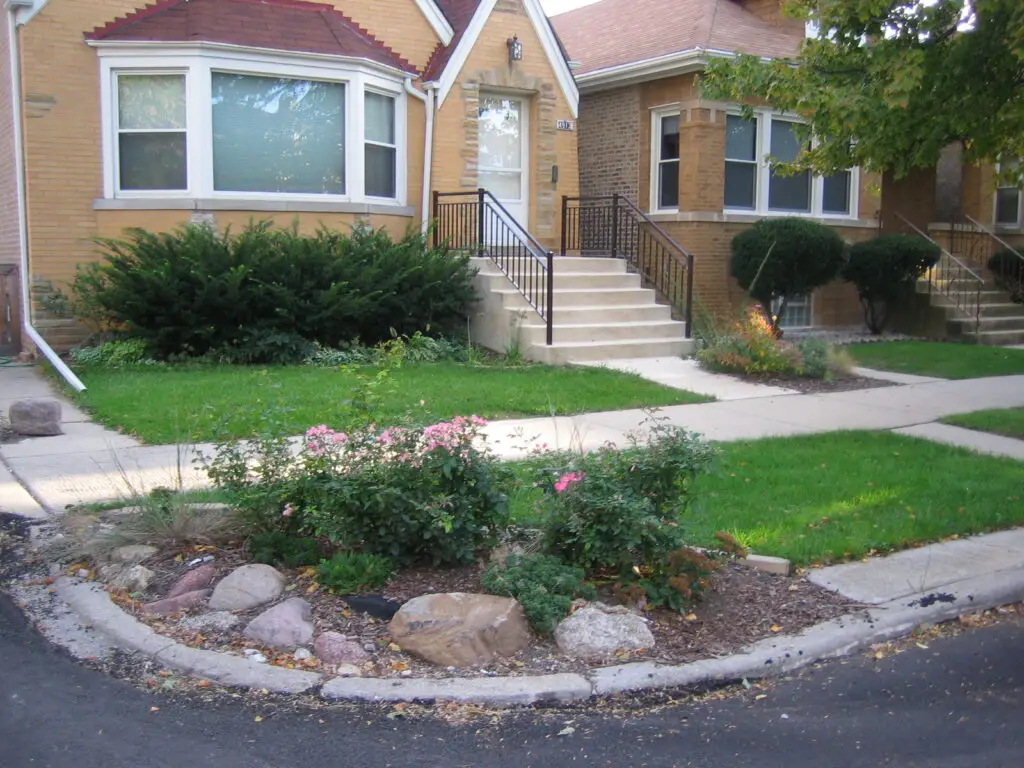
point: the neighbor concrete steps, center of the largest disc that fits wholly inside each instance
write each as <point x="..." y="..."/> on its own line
<point x="999" y="322"/>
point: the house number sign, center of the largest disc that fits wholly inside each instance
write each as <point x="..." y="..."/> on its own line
<point x="565" y="125"/>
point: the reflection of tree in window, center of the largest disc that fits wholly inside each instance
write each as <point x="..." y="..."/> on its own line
<point x="501" y="149"/>
<point x="278" y="135"/>
<point x="151" y="132"/>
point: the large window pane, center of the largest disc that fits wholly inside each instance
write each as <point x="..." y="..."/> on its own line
<point x="740" y="185"/>
<point x="504" y="185"/>
<point x="668" y="184"/>
<point x="740" y="138"/>
<point x="667" y="193"/>
<point x="152" y="161"/>
<point x="785" y="145"/>
<point x="669" y="138"/>
<point x="151" y="102"/>
<point x="835" y="193"/>
<point x="380" y="171"/>
<point x="500" y="133"/>
<point x="273" y="134"/>
<point x="381" y="154"/>
<point x="1008" y="205"/>
<point x="790" y="193"/>
<point x="380" y="118"/>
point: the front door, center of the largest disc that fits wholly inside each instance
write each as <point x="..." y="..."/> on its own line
<point x="504" y="155"/>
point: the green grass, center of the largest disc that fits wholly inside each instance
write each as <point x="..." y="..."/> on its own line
<point x="940" y="359"/>
<point x="202" y="403"/>
<point x="823" y="498"/>
<point x="999" y="421"/>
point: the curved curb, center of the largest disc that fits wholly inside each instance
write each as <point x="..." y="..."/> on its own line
<point x="770" y="657"/>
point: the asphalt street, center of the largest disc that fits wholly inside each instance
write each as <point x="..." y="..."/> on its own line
<point x="958" y="702"/>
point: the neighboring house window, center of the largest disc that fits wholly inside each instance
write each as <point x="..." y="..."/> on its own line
<point x="665" y="190"/>
<point x="797" y="313"/>
<point x="1008" y="201"/>
<point x="753" y="185"/>
<point x="230" y="126"/>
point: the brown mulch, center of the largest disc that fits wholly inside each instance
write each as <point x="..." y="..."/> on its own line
<point x="807" y="386"/>
<point x="744" y="606"/>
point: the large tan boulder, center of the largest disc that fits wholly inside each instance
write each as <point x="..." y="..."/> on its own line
<point x="461" y="630"/>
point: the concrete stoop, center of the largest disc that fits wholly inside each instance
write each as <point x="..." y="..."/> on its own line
<point x="1000" y="321"/>
<point x="601" y="312"/>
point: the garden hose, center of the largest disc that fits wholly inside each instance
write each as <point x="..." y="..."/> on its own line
<point x="13" y="362"/>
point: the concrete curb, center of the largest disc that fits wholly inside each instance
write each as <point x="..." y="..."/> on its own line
<point x="769" y="657"/>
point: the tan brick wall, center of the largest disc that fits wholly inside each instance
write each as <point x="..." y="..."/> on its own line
<point x="978" y="192"/>
<point x="399" y="24"/>
<point x="456" y="145"/>
<point x="9" y="250"/>
<point x="912" y="196"/>
<point x="610" y="142"/>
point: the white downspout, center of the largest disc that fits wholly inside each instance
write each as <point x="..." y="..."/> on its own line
<point x="428" y="146"/>
<point x="19" y="162"/>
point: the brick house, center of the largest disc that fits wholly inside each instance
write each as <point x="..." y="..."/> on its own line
<point x="225" y="110"/>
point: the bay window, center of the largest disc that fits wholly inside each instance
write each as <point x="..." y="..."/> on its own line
<point x="753" y="185"/>
<point x="238" y="128"/>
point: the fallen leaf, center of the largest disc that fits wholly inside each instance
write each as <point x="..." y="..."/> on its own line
<point x="567" y="731"/>
<point x="204" y="683"/>
<point x="776" y="628"/>
<point x="690" y="617"/>
<point x="312" y="588"/>
<point x="258" y="719"/>
<point x="399" y="666"/>
<point x="761" y="696"/>
<point x="154" y="709"/>
<point x="394" y="647"/>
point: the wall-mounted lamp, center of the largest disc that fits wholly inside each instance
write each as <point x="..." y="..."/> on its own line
<point x="515" y="49"/>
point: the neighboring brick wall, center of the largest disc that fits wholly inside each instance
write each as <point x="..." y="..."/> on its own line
<point x="9" y="251"/>
<point x="978" y="192"/>
<point x="912" y="196"/>
<point x="771" y="11"/>
<point x="609" y="143"/>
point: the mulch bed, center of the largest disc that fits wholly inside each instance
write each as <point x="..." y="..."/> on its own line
<point x="744" y="606"/>
<point x="807" y="386"/>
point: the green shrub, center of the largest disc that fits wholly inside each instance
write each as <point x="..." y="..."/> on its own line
<point x="262" y="346"/>
<point x="544" y="585"/>
<point x="194" y="290"/>
<point x="674" y="582"/>
<point x="127" y="353"/>
<point x="611" y="510"/>
<point x="884" y="270"/>
<point x="816" y="360"/>
<point x="1008" y="269"/>
<point x="349" y="573"/>
<point x="751" y="347"/>
<point x="782" y="258"/>
<point x="280" y="548"/>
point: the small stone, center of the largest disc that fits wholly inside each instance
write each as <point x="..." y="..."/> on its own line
<point x="286" y="625"/>
<point x="35" y="417"/>
<point x="109" y="572"/>
<point x="247" y="587"/>
<point x="217" y="621"/>
<point x="170" y="605"/>
<point x="199" y="578"/>
<point x="83" y="573"/>
<point x="133" y="553"/>
<point x="302" y="654"/>
<point x="348" y="670"/>
<point x="598" y="631"/>
<point x="255" y="655"/>
<point x="134" y="578"/>
<point x="335" y="648"/>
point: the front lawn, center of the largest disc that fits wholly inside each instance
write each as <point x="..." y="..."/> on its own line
<point x="940" y="359"/>
<point x="1000" y="421"/>
<point x="820" y="498"/>
<point x="205" y="403"/>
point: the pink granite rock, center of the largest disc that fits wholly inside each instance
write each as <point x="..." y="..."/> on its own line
<point x="335" y="648"/>
<point x="199" y="578"/>
<point x="177" y="603"/>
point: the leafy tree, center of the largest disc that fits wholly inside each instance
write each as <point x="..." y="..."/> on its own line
<point x="887" y="84"/>
<point x="884" y="270"/>
<point x="783" y="258"/>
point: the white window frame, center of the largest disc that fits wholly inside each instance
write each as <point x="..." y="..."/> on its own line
<point x="116" y="119"/>
<point x="1012" y="225"/>
<point x="370" y="142"/>
<point x="657" y="116"/>
<point x="764" y="119"/>
<point x="197" y="65"/>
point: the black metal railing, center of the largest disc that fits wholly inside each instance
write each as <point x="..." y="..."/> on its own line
<point x="952" y="278"/>
<point x="1008" y="268"/>
<point x="477" y="223"/>
<point x="613" y="226"/>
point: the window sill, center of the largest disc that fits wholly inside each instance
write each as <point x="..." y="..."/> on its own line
<point x="247" y="204"/>
<point x="735" y="217"/>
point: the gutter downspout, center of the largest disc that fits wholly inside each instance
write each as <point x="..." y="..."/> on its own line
<point x="19" y="161"/>
<point x="428" y="146"/>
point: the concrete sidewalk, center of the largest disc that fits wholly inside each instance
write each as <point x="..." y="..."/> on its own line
<point x="90" y="463"/>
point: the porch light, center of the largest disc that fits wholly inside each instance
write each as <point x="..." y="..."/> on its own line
<point x="515" y="49"/>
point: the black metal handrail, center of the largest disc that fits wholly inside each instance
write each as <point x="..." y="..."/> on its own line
<point x="952" y="278"/>
<point x="478" y="223"/>
<point x="613" y="225"/>
<point x="1008" y="272"/>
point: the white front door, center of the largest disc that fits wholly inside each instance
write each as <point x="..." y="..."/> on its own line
<point x="504" y="155"/>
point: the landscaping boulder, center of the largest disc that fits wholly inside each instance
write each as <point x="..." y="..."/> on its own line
<point x="109" y="572"/>
<point x="459" y="629"/>
<point x="181" y="602"/>
<point x="198" y="578"/>
<point x="133" y="553"/>
<point x="596" y="631"/>
<point x="286" y="625"/>
<point x="247" y="587"/>
<point x="335" y="648"/>
<point x="35" y="418"/>
<point x="217" y="621"/>
<point x="133" y="578"/>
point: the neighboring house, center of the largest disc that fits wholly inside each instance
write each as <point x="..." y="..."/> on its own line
<point x="695" y="166"/>
<point x="134" y="115"/>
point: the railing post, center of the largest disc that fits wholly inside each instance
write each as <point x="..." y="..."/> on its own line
<point x="565" y="221"/>
<point x="480" y="203"/>
<point x="689" y="295"/>
<point x="436" y="212"/>
<point x="551" y="298"/>
<point x="615" y="225"/>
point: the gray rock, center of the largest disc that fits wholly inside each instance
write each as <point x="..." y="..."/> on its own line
<point x="109" y="572"/>
<point x="133" y="553"/>
<point x="459" y="629"/>
<point x="335" y="648"/>
<point x="597" y="631"/>
<point x="348" y="670"/>
<point x="175" y="604"/>
<point x="134" y="578"/>
<point x="286" y="625"/>
<point x="35" y="418"/>
<point x="198" y="578"/>
<point x="217" y="621"/>
<point x="302" y="654"/>
<point x="247" y="587"/>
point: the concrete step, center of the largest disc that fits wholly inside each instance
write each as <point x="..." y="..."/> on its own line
<point x="577" y="264"/>
<point x="591" y="280"/>
<point x="995" y="338"/>
<point x="582" y="297"/>
<point x="1004" y="309"/>
<point x="626" y="313"/>
<point x="535" y="333"/>
<point x="564" y="353"/>
<point x="1006" y="323"/>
